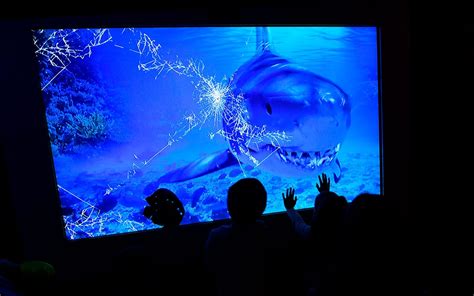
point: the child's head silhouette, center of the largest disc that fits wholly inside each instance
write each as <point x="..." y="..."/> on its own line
<point x="164" y="208"/>
<point x="246" y="200"/>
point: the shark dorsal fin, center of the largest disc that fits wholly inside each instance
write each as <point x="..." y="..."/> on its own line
<point x="263" y="40"/>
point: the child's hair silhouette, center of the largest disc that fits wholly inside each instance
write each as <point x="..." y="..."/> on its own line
<point x="164" y="208"/>
<point x="246" y="200"/>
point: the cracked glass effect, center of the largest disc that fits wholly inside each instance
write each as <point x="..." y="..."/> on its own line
<point x="127" y="106"/>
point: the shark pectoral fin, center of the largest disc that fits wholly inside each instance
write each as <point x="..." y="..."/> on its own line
<point x="337" y="172"/>
<point x="200" y="167"/>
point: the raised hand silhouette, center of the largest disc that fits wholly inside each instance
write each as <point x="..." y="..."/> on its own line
<point x="324" y="183"/>
<point x="290" y="200"/>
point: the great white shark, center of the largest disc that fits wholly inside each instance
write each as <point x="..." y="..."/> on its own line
<point x="279" y="97"/>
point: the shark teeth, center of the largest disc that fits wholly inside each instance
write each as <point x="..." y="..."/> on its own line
<point x="308" y="159"/>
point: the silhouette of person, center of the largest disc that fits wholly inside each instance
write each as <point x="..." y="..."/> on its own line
<point x="160" y="261"/>
<point x="164" y="208"/>
<point x="329" y="209"/>
<point x="235" y="253"/>
<point x="323" y="234"/>
<point x="369" y="243"/>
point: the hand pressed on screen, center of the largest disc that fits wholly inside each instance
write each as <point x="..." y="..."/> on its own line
<point x="290" y="200"/>
<point x="324" y="183"/>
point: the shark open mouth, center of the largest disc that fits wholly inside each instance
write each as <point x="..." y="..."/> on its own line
<point x="304" y="159"/>
<point x="308" y="159"/>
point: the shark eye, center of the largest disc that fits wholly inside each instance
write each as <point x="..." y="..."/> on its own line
<point x="269" y="108"/>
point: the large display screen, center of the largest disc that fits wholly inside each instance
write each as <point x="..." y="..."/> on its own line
<point x="194" y="109"/>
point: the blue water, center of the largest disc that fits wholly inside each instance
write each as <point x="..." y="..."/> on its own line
<point x="105" y="174"/>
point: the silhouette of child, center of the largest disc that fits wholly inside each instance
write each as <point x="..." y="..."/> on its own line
<point x="370" y="252"/>
<point x="160" y="262"/>
<point x="235" y="253"/>
<point x="329" y="209"/>
<point x="324" y="235"/>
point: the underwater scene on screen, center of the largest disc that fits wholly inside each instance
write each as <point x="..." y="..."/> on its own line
<point x="195" y="109"/>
